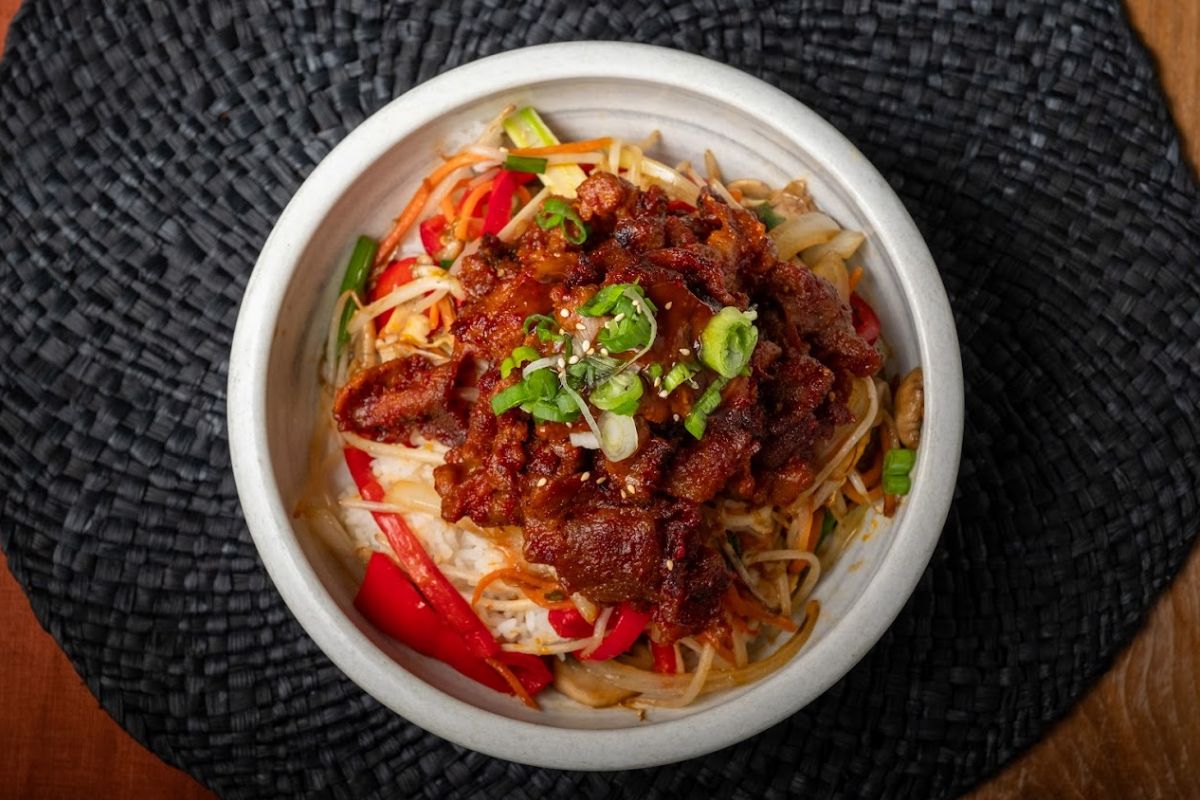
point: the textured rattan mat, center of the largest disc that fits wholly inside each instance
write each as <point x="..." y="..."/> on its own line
<point x="147" y="149"/>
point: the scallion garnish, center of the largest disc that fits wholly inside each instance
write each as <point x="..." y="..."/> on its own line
<point x="697" y="418"/>
<point x="767" y="215"/>
<point x="619" y="394"/>
<point x="556" y="212"/>
<point x="525" y="164"/>
<point x="521" y="356"/>
<point x="677" y="375"/>
<point x="728" y="341"/>
<point x="632" y="326"/>
<point x="897" y="464"/>
<point x="828" y="524"/>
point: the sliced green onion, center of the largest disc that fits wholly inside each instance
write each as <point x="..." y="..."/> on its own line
<point x="899" y="462"/>
<point x="633" y="325"/>
<point x="526" y="129"/>
<point x="602" y="301"/>
<point x="697" y="418"/>
<point x="525" y="164"/>
<point x="446" y="263"/>
<point x="896" y="484"/>
<point x="551" y="410"/>
<point x="511" y="397"/>
<point x="766" y="214"/>
<point x="654" y="371"/>
<point x="618" y="436"/>
<point x="520" y="356"/>
<point x="619" y="394"/>
<point x="828" y="523"/>
<point x="355" y="279"/>
<point x="677" y="375"/>
<point x="728" y="341"/>
<point x="556" y="212"/>
<point x="591" y="370"/>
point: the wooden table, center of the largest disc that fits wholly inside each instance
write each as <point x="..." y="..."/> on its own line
<point x="1135" y="735"/>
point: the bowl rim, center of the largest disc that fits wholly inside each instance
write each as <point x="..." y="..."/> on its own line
<point x="642" y="745"/>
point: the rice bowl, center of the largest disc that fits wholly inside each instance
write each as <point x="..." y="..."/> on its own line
<point x="273" y="358"/>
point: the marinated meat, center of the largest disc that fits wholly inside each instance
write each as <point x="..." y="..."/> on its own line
<point x="398" y="399"/>
<point x="639" y="529"/>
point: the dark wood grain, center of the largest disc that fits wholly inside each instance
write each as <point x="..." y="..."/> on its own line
<point x="1135" y="735"/>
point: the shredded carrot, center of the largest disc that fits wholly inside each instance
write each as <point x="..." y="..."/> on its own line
<point x="460" y="160"/>
<point x="875" y="472"/>
<point x="433" y="312"/>
<point x="446" y="312"/>
<point x="517" y="576"/>
<point x="754" y="610"/>
<point x="855" y="277"/>
<point x="409" y="215"/>
<point x="402" y="224"/>
<point x="512" y="681"/>
<point x="468" y="209"/>
<point x="447" y="206"/>
<point x="723" y="651"/>
<point x="585" y="146"/>
<point x="736" y="194"/>
<point x="853" y="495"/>
<point x="801" y="544"/>
<point x="523" y="195"/>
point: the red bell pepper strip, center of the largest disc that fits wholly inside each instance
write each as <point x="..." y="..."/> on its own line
<point x="395" y="274"/>
<point x="393" y="605"/>
<point x="442" y="595"/>
<point x="866" y="323"/>
<point x="431" y="234"/>
<point x="664" y="658"/>
<point x="530" y="670"/>
<point x="500" y="203"/>
<point x="570" y="624"/>
<point x="627" y="626"/>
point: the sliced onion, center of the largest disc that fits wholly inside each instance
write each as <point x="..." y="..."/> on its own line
<point x="585" y="439"/>
<point x="844" y="245"/>
<point x="541" y="363"/>
<point x="833" y="269"/>
<point x="803" y="232"/>
<point x="619" y="436"/>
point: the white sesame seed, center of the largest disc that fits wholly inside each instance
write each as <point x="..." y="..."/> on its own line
<point x="600" y="481"/>
<point x="603" y="351"/>
<point x="619" y="317"/>
<point x="562" y="363"/>
<point x="657" y="382"/>
<point x="624" y="493"/>
<point x="668" y="305"/>
<point x="573" y="360"/>
<point x="683" y="351"/>
<point x="584" y="477"/>
<point x="584" y="345"/>
<point x="564" y="313"/>
<point x="542" y="482"/>
<point x="663" y="394"/>
<point x="579" y="326"/>
<point x="670" y="565"/>
<point x="675" y="417"/>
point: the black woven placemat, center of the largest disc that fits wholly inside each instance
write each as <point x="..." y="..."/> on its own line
<point x="148" y="148"/>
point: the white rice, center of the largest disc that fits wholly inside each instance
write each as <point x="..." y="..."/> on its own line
<point x="462" y="555"/>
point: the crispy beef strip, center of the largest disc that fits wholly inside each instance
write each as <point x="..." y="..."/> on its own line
<point x="398" y="399"/>
<point x="634" y="530"/>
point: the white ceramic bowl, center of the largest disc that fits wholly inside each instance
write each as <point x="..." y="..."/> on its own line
<point x="585" y="90"/>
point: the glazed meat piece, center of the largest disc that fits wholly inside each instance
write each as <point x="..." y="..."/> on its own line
<point x="399" y="399"/>
<point x="643" y="528"/>
<point x="610" y="554"/>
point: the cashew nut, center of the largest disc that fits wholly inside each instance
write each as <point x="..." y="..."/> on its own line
<point x="910" y="408"/>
